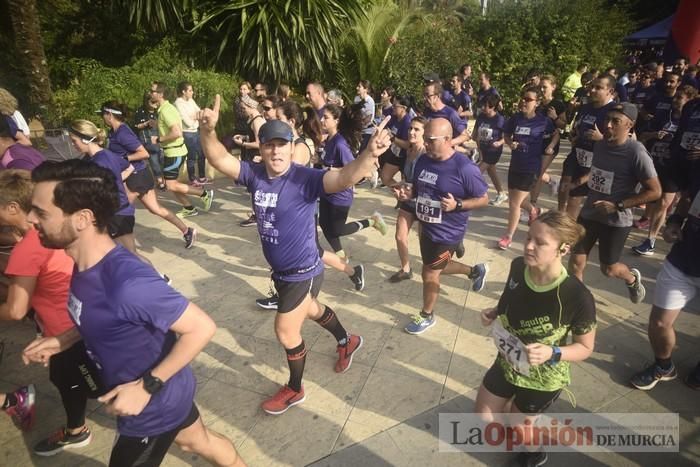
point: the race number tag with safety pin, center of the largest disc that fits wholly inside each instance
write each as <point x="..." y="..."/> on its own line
<point x="601" y="180"/>
<point x="395" y="150"/>
<point x="584" y="158"/>
<point x="511" y="348"/>
<point x="428" y="210"/>
<point x="695" y="207"/>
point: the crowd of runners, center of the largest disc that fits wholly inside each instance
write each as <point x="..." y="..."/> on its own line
<point x="111" y="327"/>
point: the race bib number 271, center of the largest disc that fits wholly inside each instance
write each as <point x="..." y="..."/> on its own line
<point x="511" y="348"/>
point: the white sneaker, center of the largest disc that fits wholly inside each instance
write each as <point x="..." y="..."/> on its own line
<point x="554" y="185"/>
<point x="374" y="179"/>
<point x="499" y="199"/>
<point x="524" y="216"/>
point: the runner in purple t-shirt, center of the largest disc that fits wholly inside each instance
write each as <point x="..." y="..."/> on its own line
<point x="436" y="108"/>
<point x="525" y="134"/>
<point x="140" y="333"/>
<point x="343" y="128"/>
<point x="488" y="135"/>
<point x="123" y="142"/>
<point x="446" y="186"/>
<point x="285" y="199"/>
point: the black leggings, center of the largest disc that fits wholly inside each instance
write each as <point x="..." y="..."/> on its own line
<point x="75" y="376"/>
<point x="332" y="220"/>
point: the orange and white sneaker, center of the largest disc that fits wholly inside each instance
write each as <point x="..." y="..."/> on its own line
<point x="285" y="398"/>
<point x="346" y="352"/>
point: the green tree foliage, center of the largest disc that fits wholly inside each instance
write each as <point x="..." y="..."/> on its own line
<point x="92" y="84"/>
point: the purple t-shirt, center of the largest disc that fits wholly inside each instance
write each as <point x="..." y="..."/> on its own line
<point x="124" y="311"/>
<point x="338" y="154"/>
<point x="432" y="180"/>
<point x="110" y="161"/>
<point x="530" y="134"/>
<point x="403" y="126"/>
<point x="456" y="101"/>
<point x="660" y="106"/>
<point x="587" y="118"/>
<point x="640" y="94"/>
<point x="490" y="129"/>
<point x="285" y="207"/>
<point x="483" y="94"/>
<point x="124" y="142"/>
<point x="19" y="156"/>
<point x="458" y="125"/>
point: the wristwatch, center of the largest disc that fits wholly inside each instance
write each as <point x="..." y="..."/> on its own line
<point x="152" y="384"/>
<point x="459" y="205"/>
<point x="556" y="355"/>
<point x="620" y="205"/>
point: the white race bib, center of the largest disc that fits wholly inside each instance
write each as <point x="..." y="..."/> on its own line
<point x="75" y="307"/>
<point x="695" y="206"/>
<point x="511" y="348"/>
<point x="661" y="150"/>
<point x="601" y="180"/>
<point x="485" y="133"/>
<point x="690" y="140"/>
<point x="428" y="210"/>
<point x="584" y="158"/>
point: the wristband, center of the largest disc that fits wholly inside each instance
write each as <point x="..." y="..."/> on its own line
<point x="556" y="355"/>
<point x="459" y="205"/>
<point x="152" y="384"/>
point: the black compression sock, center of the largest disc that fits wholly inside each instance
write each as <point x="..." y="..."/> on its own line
<point x="329" y="322"/>
<point x="296" y="359"/>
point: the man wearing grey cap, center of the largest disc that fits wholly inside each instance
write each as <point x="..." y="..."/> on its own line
<point x="284" y="199"/>
<point x="619" y="164"/>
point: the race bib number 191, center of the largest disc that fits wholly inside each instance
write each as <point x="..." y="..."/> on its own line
<point x="428" y="210"/>
<point x="511" y="348"/>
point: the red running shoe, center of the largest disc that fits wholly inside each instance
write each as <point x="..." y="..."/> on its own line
<point x="285" y="398"/>
<point x="23" y="413"/>
<point x="346" y="352"/>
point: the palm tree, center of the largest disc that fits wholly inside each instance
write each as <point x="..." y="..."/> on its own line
<point x="30" y="51"/>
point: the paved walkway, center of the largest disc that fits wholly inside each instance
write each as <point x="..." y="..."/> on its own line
<point x="383" y="411"/>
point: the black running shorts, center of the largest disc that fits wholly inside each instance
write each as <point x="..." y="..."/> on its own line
<point x="291" y="294"/>
<point x="528" y="401"/>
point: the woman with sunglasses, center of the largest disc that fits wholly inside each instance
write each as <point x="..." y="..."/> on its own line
<point x="525" y="134"/>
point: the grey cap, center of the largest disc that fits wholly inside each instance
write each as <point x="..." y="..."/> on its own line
<point x="627" y="109"/>
<point x="275" y="129"/>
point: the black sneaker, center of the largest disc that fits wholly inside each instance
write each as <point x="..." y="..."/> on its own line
<point x="650" y="376"/>
<point x="190" y="237"/>
<point x="401" y="275"/>
<point x="359" y="277"/>
<point x="251" y="221"/>
<point x="269" y="303"/>
<point x="532" y="459"/>
<point x="61" y="440"/>
<point x="693" y="379"/>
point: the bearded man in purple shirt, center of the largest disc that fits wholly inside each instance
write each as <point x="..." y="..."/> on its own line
<point x="284" y="198"/>
<point x="446" y="185"/>
<point x="140" y="333"/>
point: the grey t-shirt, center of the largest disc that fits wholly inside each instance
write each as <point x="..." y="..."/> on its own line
<point x="615" y="173"/>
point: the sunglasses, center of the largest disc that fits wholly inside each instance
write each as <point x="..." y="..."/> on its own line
<point x="431" y="139"/>
<point x="267" y="108"/>
<point x="528" y="99"/>
<point x="428" y="96"/>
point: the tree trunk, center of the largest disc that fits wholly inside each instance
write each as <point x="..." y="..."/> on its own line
<point x="30" y="52"/>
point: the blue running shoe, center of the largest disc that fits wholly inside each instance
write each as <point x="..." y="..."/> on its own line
<point x="478" y="276"/>
<point x="420" y="324"/>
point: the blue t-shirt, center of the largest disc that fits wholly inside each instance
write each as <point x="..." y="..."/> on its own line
<point x="285" y="207"/>
<point x="115" y="164"/>
<point x="458" y="100"/>
<point x="685" y="255"/>
<point x="124" y="311"/>
<point x="450" y="114"/>
<point x="530" y="134"/>
<point x="641" y="94"/>
<point x="490" y="129"/>
<point x="338" y="154"/>
<point x="432" y="180"/>
<point x="124" y="142"/>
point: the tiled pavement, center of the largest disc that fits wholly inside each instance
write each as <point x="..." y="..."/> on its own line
<point x="383" y="411"/>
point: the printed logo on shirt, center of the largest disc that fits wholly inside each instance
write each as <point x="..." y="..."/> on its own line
<point x="265" y="200"/>
<point x="522" y="130"/>
<point x="663" y="106"/>
<point x="428" y="177"/>
<point x="75" y="308"/>
<point x="589" y="119"/>
<point x="512" y="285"/>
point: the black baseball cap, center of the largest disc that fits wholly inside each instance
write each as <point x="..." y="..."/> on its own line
<point x="275" y="129"/>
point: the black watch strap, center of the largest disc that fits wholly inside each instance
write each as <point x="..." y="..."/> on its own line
<point x="152" y="384"/>
<point x="459" y="205"/>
